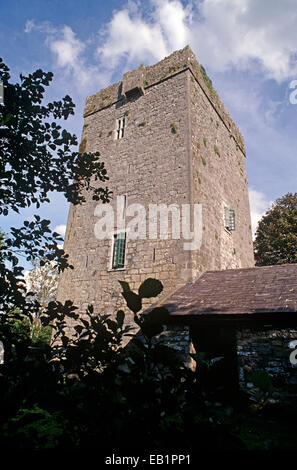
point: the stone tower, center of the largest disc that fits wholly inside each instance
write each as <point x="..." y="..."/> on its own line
<point x="166" y="138"/>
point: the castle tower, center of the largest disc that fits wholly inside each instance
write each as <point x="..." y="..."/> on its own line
<point x="166" y="138"/>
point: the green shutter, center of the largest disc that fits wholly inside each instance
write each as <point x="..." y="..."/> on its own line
<point x="119" y="246"/>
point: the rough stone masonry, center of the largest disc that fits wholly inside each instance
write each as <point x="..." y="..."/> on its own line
<point x="165" y="137"/>
<point x="180" y="146"/>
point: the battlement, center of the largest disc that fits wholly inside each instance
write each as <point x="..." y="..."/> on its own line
<point x="142" y="78"/>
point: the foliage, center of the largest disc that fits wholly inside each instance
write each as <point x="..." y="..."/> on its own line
<point x="36" y="157"/>
<point x="79" y="387"/>
<point x="263" y="388"/>
<point x="208" y="81"/>
<point x="215" y="147"/>
<point x="276" y="236"/>
<point x="36" y="153"/>
<point x="34" y="428"/>
<point x="174" y="128"/>
<point x="32" y="241"/>
<point x="86" y="388"/>
<point x="42" y="282"/>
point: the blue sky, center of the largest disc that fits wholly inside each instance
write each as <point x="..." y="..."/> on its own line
<point x="249" y="49"/>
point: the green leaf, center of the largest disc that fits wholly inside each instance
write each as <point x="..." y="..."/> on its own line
<point x="150" y="288"/>
<point x="159" y="315"/>
<point x="120" y="318"/>
<point x="153" y="321"/>
<point x="133" y="301"/>
<point x="166" y="355"/>
<point x="151" y="329"/>
<point x="112" y="325"/>
<point x="261" y="380"/>
<point x="7" y="118"/>
<point x="125" y="286"/>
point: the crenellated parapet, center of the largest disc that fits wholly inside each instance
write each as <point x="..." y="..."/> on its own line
<point x="139" y="80"/>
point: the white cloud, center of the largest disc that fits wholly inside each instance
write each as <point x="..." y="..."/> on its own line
<point x="259" y="206"/>
<point x="42" y="27"/>
<point x="30" y="24"/>
<point x="68" y="48"/>
<point x="69" y="52"/>
<point x="248" y="34"/>
<point x="174" y="20"/>
<point x="245" y="34"/>
<point x="61" y="229"/>
<point x="132" y="37"/>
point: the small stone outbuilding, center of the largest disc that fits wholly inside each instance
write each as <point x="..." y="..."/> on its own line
<point x="249" y="316"/>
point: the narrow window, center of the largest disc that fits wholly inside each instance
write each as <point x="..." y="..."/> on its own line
<point x="124" y="206"/>
<point x="119" y="248"/>
<point x="229" y="218"/>
<point x="120" y="128"/>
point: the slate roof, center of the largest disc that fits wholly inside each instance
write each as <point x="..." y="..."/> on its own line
<point x="268" y="289"/>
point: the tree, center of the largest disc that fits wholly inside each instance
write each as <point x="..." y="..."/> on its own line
<point x="36" y="157"/>
<point x="84" y="389"/>
<point x="36" y="154"/>
<point x="276" y="236"/>
<point x="42" y="282"/>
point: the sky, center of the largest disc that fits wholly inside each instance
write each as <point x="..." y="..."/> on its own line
<point x="248" y="47"/>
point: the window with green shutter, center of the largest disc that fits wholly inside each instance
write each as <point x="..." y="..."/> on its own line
<point x="119" y="247"/>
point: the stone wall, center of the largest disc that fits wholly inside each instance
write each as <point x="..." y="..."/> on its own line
<point x="219" y="175"/>
<point x="267" y="350"/>
<point x="174" y="123"/>
<point x="177" y="62"/>
<point x="149" y="165"/>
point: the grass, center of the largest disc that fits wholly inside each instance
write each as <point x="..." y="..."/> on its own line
<point x="173" y="128"/>
<point x="270" y="432"/>
<point x="216" y="150"/>
<point x="208" y="81"/>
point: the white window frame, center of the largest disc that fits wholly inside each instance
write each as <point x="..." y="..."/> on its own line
<point x="113" y="238"/>
<point x="226" y="217"/>
<point x="120" y="128"/>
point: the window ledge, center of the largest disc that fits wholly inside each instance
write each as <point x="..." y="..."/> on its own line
<point x="228" y="231"/>
<point x="116" y="269"/>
